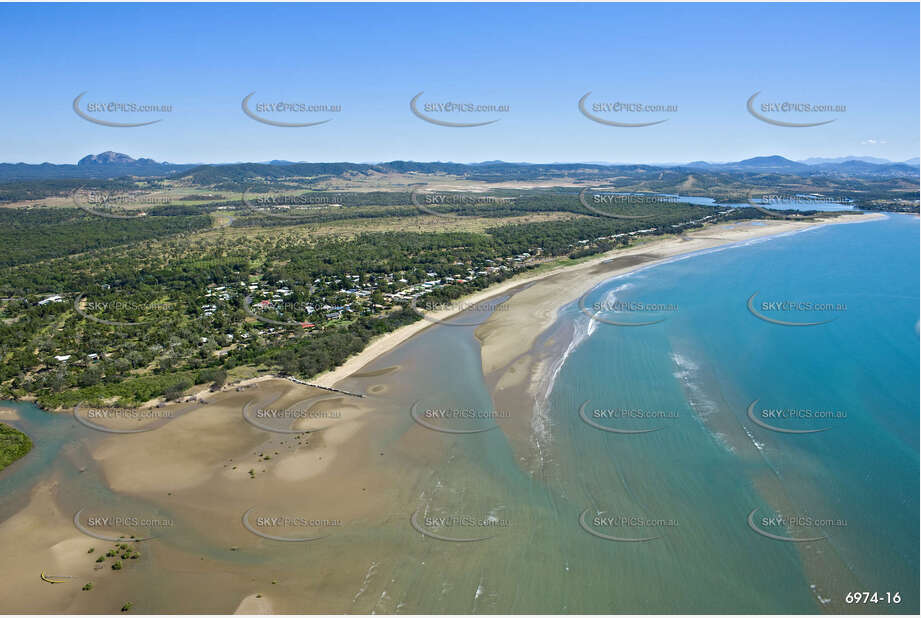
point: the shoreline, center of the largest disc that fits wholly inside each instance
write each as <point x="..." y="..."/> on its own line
<point x="520" y="350"/>
<point x="196" y="465"/>
<point x="670" y="246"/>
<point x="523" y="350"/>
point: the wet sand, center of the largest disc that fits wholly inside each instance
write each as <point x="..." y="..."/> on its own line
<point x="208" y="466"/>
<point x="196" y="468"/>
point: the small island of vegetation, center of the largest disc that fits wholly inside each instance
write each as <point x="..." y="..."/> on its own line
<point x="13" y="445"/>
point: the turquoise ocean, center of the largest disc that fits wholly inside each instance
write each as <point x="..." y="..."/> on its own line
<point x="693" y="375"/>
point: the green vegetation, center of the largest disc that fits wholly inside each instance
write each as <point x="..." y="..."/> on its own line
<point x="206" y="286"/>
<point x="13" y="445"/>
<point x="22" y="190"/>
<point x="45" y="233"/>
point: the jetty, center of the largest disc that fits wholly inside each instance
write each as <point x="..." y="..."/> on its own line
<point x="325" y="388"/>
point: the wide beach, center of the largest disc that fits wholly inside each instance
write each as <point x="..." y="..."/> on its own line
<point x="503" y="337"/>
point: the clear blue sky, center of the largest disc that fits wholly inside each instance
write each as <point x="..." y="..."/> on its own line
<point x="539" y="59"/>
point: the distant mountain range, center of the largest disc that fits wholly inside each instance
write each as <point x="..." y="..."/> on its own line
<point x="821" y="160"/>
<point x="111" y="164"/>
<point x="104" y="165"/>
<point x="844" y="166"/>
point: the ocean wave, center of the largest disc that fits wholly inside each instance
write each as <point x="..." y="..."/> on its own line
<point x="758" y="445"/>
<point x="688" y="373"/>
<point x="364" y="582"/>
<point x="584" y="327"/>
<point x="548" y="370"/>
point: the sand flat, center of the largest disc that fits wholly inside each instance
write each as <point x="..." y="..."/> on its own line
<point x="253" y="604"/>
<point x="40" y="538"/>
<point x="185" y="452"/>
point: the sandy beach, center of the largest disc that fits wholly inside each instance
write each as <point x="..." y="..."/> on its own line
<point x="569" y="282"/>
<point x="208" y="466"/>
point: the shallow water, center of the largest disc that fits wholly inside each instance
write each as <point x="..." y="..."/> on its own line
<point x="693" y="480"/>
<point x="710" y="358"/>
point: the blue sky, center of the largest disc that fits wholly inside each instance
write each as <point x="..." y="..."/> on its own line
<point x="539" y="59"/>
